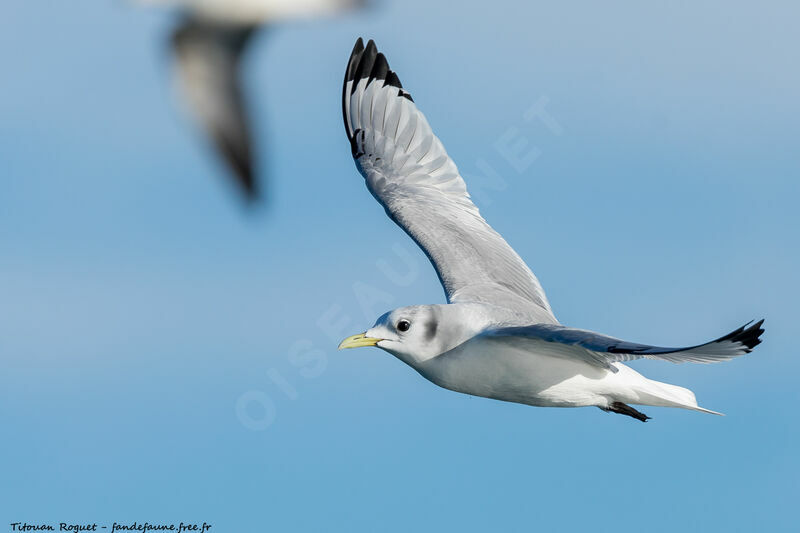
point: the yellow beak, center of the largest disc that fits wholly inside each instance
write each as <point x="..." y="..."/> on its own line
<point x="357" y="341"/>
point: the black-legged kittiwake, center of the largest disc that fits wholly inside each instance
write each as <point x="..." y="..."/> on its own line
<point x="497" y="336"/>
<point x="208" y="44"/>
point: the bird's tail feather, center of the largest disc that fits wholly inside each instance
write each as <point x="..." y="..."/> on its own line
<point x="665" y="395"/>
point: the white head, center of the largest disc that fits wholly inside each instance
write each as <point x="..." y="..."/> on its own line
<point x="413" y="334"/>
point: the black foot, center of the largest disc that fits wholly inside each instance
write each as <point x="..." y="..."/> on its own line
<point x="625" y="409"/>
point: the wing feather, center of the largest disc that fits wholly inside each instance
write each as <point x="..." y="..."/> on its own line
<point x="207" y="66"/>
<point x="409" y="172"/>
<point x="603" y="350"/>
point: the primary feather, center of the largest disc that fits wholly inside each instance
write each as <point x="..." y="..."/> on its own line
<point x="603" y="350"/>
<point x="207" y="55"/>
<point x="409" y="172"/>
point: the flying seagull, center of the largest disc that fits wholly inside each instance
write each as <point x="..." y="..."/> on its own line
<point x="497" y="336"/>
<point x="208" y="44"/>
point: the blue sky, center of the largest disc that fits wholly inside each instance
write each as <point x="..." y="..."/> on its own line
<point x="168" y="356"/>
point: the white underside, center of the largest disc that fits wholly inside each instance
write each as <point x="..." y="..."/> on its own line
<point x="258" y="11"/>
<point x="545" y="376"/>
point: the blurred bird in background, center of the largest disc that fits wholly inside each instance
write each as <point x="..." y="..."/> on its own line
<point x="208" y="44"/>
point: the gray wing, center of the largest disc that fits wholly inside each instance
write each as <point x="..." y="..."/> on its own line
<point x="207" y="66"/>
<point x="602" y="350"/>
<point x="409" y="172"/>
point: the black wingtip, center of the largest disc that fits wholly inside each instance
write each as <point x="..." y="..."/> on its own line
<point x="393" y="80"/>
<point x="349" y="75"/>
<point x="249" y="188"/>
<point x="380" y="68"/>
<point x="238" y="156"/>
<point x="245" y="178"/>
<point x="367" y="62"/>
<point x="355" y="57"/>
<point x="751" y="337"/>
<point x="747" y="335"/>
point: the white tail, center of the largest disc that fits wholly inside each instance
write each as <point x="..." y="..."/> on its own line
<point x="666" y="395"/>
<point x="649" y="392"/>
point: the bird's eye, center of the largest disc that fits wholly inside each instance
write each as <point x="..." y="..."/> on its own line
<point x="403" y="325"/>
